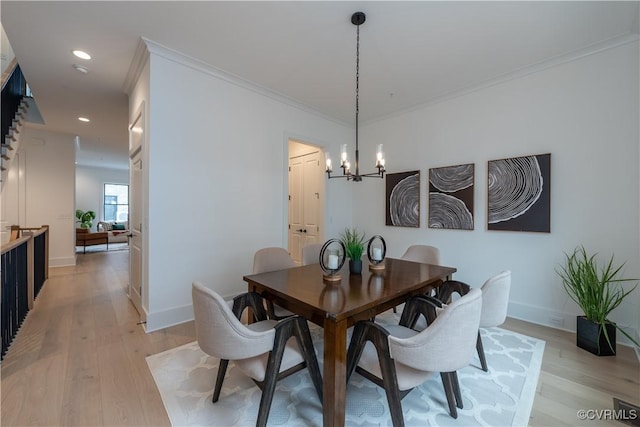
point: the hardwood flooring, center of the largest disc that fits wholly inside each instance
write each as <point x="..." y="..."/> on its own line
<point x="79" y="359"/>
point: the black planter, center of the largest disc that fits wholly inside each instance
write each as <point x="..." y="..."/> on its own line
<point x="355" y="266"/>
<point x="591" y="338"/>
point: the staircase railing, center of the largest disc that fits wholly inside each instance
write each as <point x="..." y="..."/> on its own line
<point x="12" y="93"/>
<point x="25" y="266"/>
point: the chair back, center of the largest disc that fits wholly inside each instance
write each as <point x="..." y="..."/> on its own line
<point x="272" y="259"/>
<point x="495" y="299"/>
<point x="220" y="333"/>
<point x="311" y="253"/>
<point x="448" y="343"/>
<point x="422" y="253"/>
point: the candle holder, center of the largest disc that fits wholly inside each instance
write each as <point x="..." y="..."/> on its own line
<point x="332" y="257"/>
<point x="376" y="251"/>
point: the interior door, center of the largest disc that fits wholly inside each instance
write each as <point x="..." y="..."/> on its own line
<point x="296" y="208"/>
<point x="305" y="201"/>
<point x="136" y="248"/>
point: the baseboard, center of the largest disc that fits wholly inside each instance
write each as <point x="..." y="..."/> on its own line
<point x="561" y="320"/>
<point x="62" y="261"/>
<point x="172" y="317"/>
<point x="157" y="320"/>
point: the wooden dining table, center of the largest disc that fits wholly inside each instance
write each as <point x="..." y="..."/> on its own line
<point x="336" y="306"/>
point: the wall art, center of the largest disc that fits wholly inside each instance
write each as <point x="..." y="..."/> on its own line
<point x="403" y="199"/>
<point x="451" y="197"/>
<point x="519" y="192"/>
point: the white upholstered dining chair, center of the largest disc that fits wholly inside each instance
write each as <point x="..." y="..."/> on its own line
<point x="495" y="302"/>
<point x="398" y="358"/>
<point x="422" y="253"/>
<point x="262" y="350"/>
<point x="311" y="253"/>
<point x="272" y="259"/>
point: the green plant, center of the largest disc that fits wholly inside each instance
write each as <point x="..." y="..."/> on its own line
<point x="354" y="243"/>
<point x="85" y="218"/>
<point x="596" y="289"/>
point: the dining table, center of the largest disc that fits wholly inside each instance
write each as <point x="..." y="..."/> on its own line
<point x="337" y="305"/>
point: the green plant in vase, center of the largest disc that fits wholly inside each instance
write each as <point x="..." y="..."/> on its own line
<point x="85" y="218"/>
<point x="598" y="291"/>
<point x="354" y="242"/>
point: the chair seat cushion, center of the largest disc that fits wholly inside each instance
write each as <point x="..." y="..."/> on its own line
<point x="255" y="367"/>
<point x="408" y="377"/>
<point x="281" y="312"/>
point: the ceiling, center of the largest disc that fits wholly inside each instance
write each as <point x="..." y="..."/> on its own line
<point x="412" y="53"/>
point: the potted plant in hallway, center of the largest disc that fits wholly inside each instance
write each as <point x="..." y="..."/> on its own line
<point x="85" y="218"/>
<point x="598" y="291"/>
<point x="354" y="244"/>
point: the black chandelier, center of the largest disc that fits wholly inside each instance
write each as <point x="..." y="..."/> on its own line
<point x="357" y="19"/>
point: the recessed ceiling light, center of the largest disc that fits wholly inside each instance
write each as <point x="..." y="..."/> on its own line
<point x="81" y="54"/>
<point x="81" y="68"/>
<point x="84" y="119"/>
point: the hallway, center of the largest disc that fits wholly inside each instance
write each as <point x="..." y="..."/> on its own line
<point x="79" y="358"/>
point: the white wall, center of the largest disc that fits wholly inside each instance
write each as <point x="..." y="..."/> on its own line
<point x="585" y="113"/>
<point x="217" y="180"/>
<point x="6" y="52"/>
<point x="40" y="190"/>
<point x="90" y="188"/>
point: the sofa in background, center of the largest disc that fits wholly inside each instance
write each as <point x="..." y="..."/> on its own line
<point x="117" y="232"/>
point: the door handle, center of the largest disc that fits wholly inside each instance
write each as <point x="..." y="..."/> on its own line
<point x="300" y="230"/>
<point x="304" y="231"/>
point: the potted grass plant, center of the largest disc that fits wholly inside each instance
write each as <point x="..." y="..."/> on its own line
<point x="354" y="242"/>
<point x="598" y="290"/>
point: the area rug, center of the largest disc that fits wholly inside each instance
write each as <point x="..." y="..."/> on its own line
<point x="501" y="397"/>
<point x="103" y="248"/>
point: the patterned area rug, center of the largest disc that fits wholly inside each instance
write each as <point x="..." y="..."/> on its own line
<point x="501" y="397"/>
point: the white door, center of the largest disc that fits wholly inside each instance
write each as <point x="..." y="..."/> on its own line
<point x="305" y="202"/>
<point x="136" y="188"/>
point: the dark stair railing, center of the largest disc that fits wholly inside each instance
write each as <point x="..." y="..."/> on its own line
<point x="13" y="91"/>
<point x="24" y="267"/>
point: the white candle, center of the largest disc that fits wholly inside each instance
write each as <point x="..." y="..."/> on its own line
<point x="377" y="254"/>
<point x="333" y="262"/>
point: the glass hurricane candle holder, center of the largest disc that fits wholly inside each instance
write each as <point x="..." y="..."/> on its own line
<point x="332" y="257"/>
<point x="376" y="251"/>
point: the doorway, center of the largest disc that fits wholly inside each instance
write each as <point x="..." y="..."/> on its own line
<point x="136" y="190"/>
<point x="306" y="197"/>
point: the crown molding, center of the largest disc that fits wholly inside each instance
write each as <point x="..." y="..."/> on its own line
<point x="203" y="67"/>
<point x="518" y="73"/>
<point x="138" y="62"/>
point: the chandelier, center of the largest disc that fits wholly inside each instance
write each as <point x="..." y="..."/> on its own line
<point x="357" y="19"/>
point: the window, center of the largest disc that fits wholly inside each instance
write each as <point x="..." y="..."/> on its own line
<point x="116" y="202"/>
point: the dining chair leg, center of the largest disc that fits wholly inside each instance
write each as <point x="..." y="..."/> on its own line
<point x="456" y="388"/>
<point x="480" y="349"/>
<point x="222" y="370"/>
<point x="308" y="352"/>
<point x="355" y="350"/>
<point x="448" y="391"/>
<point x="390" y="381"/>
<point x="271" y="375"/>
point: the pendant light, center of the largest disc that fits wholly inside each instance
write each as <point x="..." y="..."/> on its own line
<point x="357" y="19"/>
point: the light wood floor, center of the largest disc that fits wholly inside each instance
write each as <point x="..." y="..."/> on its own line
<point x="79" y="359"/>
